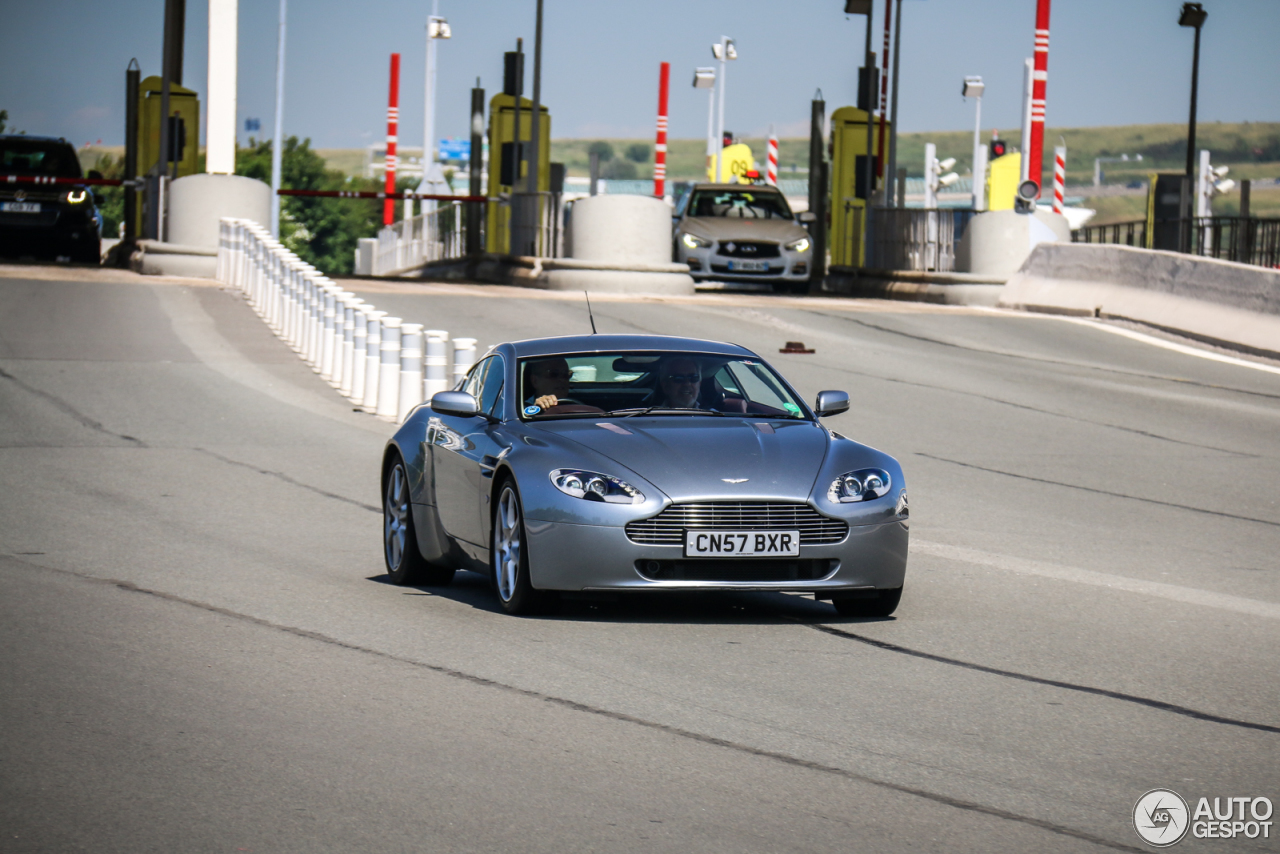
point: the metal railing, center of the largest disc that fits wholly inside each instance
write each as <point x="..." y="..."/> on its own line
<point x="434" y="235"/>
<point x="1245" y="240"/>
<point x="918" y="239"/>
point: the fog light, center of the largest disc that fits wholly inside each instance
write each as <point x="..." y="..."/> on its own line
<point x="800" y="267"/>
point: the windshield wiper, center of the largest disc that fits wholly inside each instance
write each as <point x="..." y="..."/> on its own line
<point x="631" y="413"/>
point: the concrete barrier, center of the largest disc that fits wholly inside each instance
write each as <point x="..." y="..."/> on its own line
<point x="373" y="361"/>
<point x="389" y="369"/>
<point x="1219" y="302"/>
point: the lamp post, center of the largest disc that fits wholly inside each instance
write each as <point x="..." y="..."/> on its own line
<point x="973" y="88"/>
<point x="1193" y="15"/>
<point x="437" y="28"/>
<point x="723" y="51"/>
<point x="705" y="78"/>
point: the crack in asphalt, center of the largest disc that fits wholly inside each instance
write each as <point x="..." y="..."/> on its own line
<point x="1040" y="680"/>
<point x="284" y="477"/>
<point x="1046" y="360"/>
<point x="68" y="409"/>
<point x="1096" y="491"/>
<point x="622" y="717"/>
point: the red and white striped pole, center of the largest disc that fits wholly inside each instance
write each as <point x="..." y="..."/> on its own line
<point x="771" y="161"/>
<point x="393" y="121"/>
<point x="1039" y="78"/>
<point x="1059" y="176"/>
<point x="660" y="146"/>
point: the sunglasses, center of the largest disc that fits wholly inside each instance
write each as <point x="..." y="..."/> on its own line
<point x="684" y="378"/>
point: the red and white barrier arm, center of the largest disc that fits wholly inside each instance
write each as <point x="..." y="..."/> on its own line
<point x="48" y="179"/>
<point x="393" y="121"/>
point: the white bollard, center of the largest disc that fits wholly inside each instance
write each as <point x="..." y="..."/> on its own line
<point x="339" y="320"/>
<point x="373" y="360"/>
<point x="330" y="297"/>
<point x="437" y="376"/>
<point x="464" y="356"/>
<point x="410" y="368"/>
<point x="389" y="369"/>
<point x="349" y="303"/>
<point x="359" y="350"/>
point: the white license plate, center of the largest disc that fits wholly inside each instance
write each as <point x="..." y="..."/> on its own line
<point x="20" y="207"/>
<point x="741" y="543"/>
<point x="749" y="266"/>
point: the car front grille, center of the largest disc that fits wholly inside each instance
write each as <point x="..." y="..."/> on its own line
<point x="747" y="249"/>
<point x="724" y="268"/>
<point x="668" y="527"/>
<point x="740" y="570"/>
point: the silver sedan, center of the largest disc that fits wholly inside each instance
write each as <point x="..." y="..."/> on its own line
<point x="641" y="463"/>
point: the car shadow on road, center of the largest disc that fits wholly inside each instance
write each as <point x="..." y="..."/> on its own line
<point x="744" y="607"/>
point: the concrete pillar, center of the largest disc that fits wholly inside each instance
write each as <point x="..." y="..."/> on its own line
<point x="410" y="368"/>
<point x="373" y="360"/>
<point x="220" y="126"/>
<point x="389" y="369"/>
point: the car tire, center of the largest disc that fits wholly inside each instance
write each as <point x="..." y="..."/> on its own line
<point x="86" y="253"/>
<point x="884" y="604"/>
<point x="509" y="558"/>
<point x="405" y="564"/>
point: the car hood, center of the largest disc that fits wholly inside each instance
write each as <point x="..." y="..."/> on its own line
<point x="726" y="228"/>
<point x="692" y="458"/>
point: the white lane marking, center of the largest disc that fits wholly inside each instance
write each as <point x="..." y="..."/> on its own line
<point x="1168" y="345"/>
<point x="198" y="331"/>
<point x="1044" y="569"/>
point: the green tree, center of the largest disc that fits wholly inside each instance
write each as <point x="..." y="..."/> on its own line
<point x="322" y="231"/>
<point x="602" y="148"/>
<point x="638" y="152"/>
<point x="619" y="170"/>
<point x="112" y="207"/>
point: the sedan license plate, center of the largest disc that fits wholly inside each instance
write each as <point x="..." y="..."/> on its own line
<point x="741" y="543"/>
<point x="749" y="266"/>
<point x="20" y="207"/>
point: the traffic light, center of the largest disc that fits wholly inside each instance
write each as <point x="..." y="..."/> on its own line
<point x="997" y="148"/>
<point x="728" y="139"/>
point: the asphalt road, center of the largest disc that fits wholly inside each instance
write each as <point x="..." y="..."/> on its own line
<point x="199" y="650"/>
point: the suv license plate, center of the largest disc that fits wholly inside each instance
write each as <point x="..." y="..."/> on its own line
<point x="741" y="543"/>
<point x="749" y="266"/>
<point x="20" y="207"/>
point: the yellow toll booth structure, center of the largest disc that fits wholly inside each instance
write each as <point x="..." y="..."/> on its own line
<point x="1002" y="182"/>
<point x="503" y="157"/>
<point x="184" y="104"/>
<point x="848" y="184"/>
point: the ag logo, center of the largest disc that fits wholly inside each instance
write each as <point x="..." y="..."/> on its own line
<point x="1161" y="818"/>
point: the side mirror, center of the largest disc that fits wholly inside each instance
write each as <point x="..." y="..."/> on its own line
<point x="831" y="403"/>
<point x="808" y="216"/>
<point x="455" y="403"/>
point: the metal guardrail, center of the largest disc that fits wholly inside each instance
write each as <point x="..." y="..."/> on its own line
<point x="434" y="235"/>
<point x="1245" y="240"/>
<point x="917" y="239"/>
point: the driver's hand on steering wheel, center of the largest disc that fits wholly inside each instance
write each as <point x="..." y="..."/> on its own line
<point x="547" y="401"/>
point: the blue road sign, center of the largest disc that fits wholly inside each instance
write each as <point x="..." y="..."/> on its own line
<point x="455" y="149"/>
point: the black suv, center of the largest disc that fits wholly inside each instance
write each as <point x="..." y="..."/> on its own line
<point x="58" y="221"/>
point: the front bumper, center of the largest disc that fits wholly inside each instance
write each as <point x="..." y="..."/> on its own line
<point x="565" y="556"/>
<point x="707" y="263"/>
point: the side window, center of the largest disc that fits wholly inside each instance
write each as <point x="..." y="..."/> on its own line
<point x="491" y="386"/>
<point x="471" y="385"/>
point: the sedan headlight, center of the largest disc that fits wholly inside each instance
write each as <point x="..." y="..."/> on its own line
<point x="801" y="245"/>
<point x="861" y="485"/>
<point x="594" y="486"/>
<point x="75" y="197"/>
<point x="693" y="241"/>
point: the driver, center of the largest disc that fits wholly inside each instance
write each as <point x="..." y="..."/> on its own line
<point x="680" y="381"/>
<point x="549" y="379"/>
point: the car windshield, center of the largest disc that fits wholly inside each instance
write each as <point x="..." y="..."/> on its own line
<point x="38" y="157"/>
<point x="630" y="384"/>
<point x="740" y="204"/>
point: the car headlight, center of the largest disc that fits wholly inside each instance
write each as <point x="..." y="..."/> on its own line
<point x="693" y="241"/>
<point x="594" y="486"/>
<point x="75" y="197"/>
<point x="861" y="485"/>
<point x="801" y="245"/>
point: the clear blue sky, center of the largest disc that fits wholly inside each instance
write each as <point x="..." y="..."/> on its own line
<point x="1111" y="62"/>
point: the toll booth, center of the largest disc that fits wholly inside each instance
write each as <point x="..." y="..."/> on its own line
<point x="1168" y="206"/>
<point x="184" y="106"/>
<point x="848" y="183"/>
<point x="508" y="162"/>
<point x="1003" y="180"/>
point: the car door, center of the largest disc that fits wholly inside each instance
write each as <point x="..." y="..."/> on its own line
<point x="459" y="449"/>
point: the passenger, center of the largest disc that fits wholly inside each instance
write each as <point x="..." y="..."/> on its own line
<point x="680" y="381"/>
<point x="549" y="379"/>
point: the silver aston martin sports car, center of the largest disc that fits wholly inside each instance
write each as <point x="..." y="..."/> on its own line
<point x="618" y="463"/>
